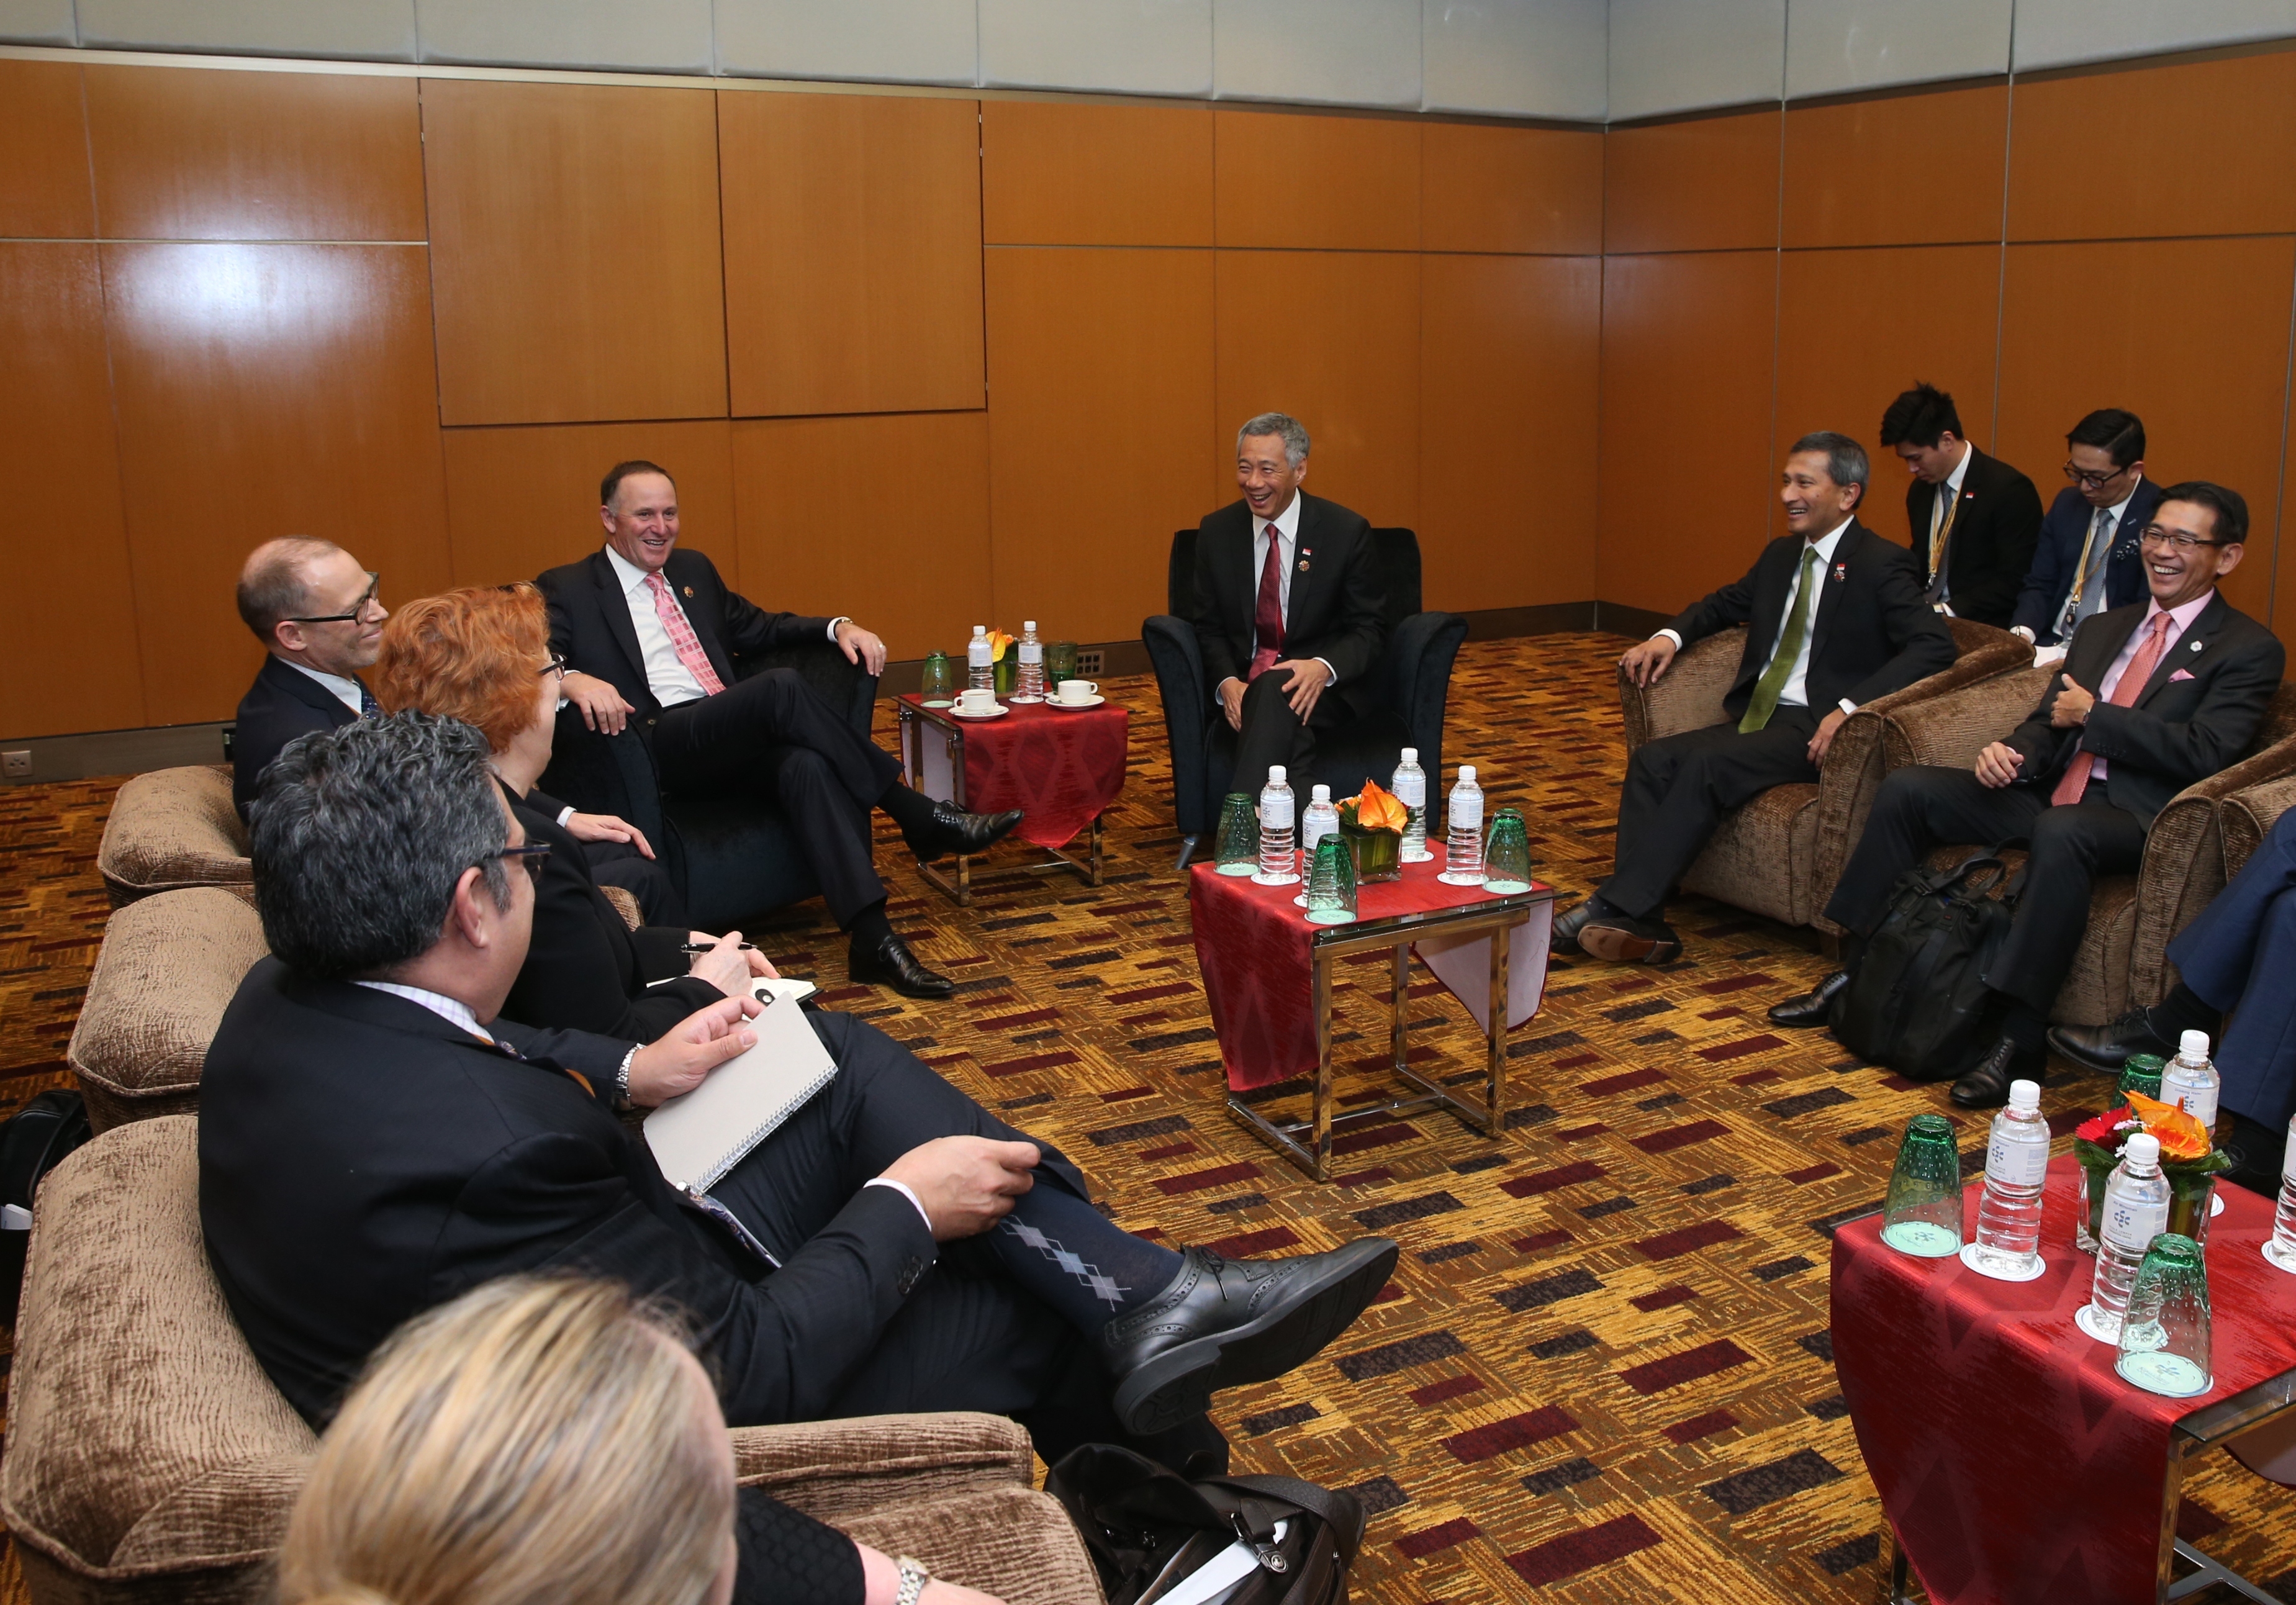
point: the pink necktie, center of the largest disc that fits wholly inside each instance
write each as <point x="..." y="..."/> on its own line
<point x="682" y="638"/>
<point x="2131" y="685"/>
<point x="1267" y="612"/>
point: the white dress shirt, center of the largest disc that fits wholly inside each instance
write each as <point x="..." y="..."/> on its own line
<point x="2096" y="546"/>
<point x="1796" y="693"/>
<point x="1949" y="492"/>
<point x="453" y="1011"/>
<point x="667" y="675"/>
<point x="344" y="689"/>
<point x="2180" y="620"/>
<point x="1286" y="528"/>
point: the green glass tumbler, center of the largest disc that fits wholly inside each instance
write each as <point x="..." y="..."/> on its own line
<point x="2141" y="1075"/>
<point x="1922" y="1216"/>
<point x="2164" y="1336"/>
<point x="1506" y="855"/>
<point x="937" y="685"/>
<point x="1060" y="662"/>
<point x="1332" y="883"/>
<point x="1237" y="846"/>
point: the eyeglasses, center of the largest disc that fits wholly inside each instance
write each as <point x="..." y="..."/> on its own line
<point x="533" y="855"/>
<point x="2152" y="535"/>
<point x="359" y="608"/>
<point x="2088" y="481"/>
<point x="556" y="666"/>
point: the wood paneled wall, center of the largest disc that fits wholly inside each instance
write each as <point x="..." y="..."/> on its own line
<point x="1772" y="273"/>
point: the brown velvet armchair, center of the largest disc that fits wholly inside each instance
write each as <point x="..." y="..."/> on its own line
<point x="174" y="827"/>
<point x="2248" y="815"/>
<point x="1780" y="855"/>
<point x="2122" y="960"/>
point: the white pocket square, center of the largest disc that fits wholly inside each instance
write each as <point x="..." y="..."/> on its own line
<point x="2182" y="674"/>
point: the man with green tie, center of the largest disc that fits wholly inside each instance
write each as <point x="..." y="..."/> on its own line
<point x="1835" y="618"/>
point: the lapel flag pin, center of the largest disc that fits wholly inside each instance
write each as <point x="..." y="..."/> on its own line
<point x="1841" y="572"/>
<point x="689" y="591"/>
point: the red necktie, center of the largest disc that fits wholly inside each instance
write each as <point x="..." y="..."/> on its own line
<point x="2131" y="685"/>
<point x="682" y="638"/>
<point x="1267" y="614"/>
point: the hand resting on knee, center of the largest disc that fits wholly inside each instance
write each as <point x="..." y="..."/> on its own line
<point x="966" y="1184"/>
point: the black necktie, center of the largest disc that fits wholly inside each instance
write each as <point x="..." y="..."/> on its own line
<point x="368" y="706"/>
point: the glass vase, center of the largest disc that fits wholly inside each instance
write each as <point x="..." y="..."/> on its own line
<point x="2188" y="1204"/>
<point x="1379" y="854"/>
<point x="1003" y="669"/>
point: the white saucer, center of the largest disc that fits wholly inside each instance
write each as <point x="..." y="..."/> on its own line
<point x="959" y="713"/>
<point x="1089" y="702"/>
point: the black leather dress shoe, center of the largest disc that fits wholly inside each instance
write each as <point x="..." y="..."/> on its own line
<point x="1226" y="1322"/>
<point x="2108" y="1048"/>
<point x="1812" y="1007"/>
<point x="890" y="964"/>
<point x="954" y="831"/>
<point x="1564" y="937"/>
<point x="1987" y="1085"/>
<point x="1624" y="940"/>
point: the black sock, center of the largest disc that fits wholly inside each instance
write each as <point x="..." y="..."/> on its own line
<point x="2180" y="1012"/>
<point x="1853" y="948"/>
<point x="2026" y="1026"/>
<point x="870" y="925"/>
<point x="913" y="811"/>
<point x="1077" y="1260"/>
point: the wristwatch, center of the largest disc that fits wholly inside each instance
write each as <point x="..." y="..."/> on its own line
<point x="913" y="1578"/>
<point x="622" y="1079"/>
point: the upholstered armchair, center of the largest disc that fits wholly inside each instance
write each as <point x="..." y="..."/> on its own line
<point x="168" y="969"/>
<point x="174" y="827"/>
<point x="2248" y="816"/>
<point x="1780" y="855"/>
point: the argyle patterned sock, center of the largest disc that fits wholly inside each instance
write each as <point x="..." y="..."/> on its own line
<point x="1077" y="1260"/>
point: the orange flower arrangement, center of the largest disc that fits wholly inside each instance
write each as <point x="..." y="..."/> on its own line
<point x="1374" y="809"/>
<point x="999" y="643"/>
<point x="2182" y="1136"/>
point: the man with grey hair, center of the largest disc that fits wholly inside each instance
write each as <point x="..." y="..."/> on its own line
<point x="1835" y="618"/>
<point x="1290" y="611"/>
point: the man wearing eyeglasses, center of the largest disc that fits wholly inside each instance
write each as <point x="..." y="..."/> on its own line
<point x="2154" y="696"/>
<point x="2086" y="559"/>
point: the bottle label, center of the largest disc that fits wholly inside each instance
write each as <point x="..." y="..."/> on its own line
<point x="1275" y="811"/>
<point x="1466" y="813"/>
<point x="977" y="654"/>
<point x="1312" y="831"/>
<point x="2131" y="1226"/>
<point x="2016" y="1163"/>
<point x="1032" y="651"/>
<point x="1410" y="789"/>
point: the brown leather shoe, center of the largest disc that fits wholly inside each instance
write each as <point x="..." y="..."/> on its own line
<point x="1623" y="939"/>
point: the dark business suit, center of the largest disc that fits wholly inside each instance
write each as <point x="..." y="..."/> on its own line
<point x="1872" y="634"/>
<point x="284" y="703"/>
<point x="2057" y="559"/>
<point x="2248" y="933"/>
<point x="1991" y="546"/>
<point x="362" y="1160"/>
<point x="1335" y="611"/>
<point x="2197" y="712"/>
<point x="767" y="733"/>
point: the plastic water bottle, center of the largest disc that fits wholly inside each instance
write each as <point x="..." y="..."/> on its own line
<point x="2191" y="1082"/>
<point x="980" y="660"/>
<point x="2282" y="1249"/>
<point x="1029" y="674"/>
<point x="1317" y="820"/>
<point x="1279" y="865"/>
<point x="1409" y="787"/>
<point x="2135" y="1212"/>
<point x="1463" y="858"/>
<point x="2009" y="1213"/>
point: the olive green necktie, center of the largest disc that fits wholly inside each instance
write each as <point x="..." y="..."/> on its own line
<point x="1774" y="679"/>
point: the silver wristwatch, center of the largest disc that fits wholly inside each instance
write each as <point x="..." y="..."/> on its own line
<point x="622" y="1079"/>
<point x="913" y="1578"/>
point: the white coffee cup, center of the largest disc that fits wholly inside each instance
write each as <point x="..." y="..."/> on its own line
<point x="1079" y="690"/>
<point x="976" y="699"/>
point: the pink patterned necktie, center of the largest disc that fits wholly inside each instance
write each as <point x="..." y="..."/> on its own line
<point x="2131" y="685"/>
<point x="682" y="638"/>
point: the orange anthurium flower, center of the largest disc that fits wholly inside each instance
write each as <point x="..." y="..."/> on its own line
<point x="998" y="640"/>
<point x="1379" y="810"/>
<point x="2182" y="1136"/>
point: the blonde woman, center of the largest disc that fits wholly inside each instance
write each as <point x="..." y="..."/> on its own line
<point x="553" y="1442"/>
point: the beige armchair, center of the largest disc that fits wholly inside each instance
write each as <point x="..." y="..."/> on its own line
<point x="149" y="1459"/>
<point x="2248" y="816"/>
<point x="1780" y="855"/>
<point x="2122" y="960"/>
<point x="174" y="827"/>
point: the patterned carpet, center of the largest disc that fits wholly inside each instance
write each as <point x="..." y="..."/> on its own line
<point x="1601" y="1372"/>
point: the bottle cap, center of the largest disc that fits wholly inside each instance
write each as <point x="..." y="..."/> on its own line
<point x="2143" y="1149"/>
<point x="980" y="629"/>
<point x="1466" y="771"/>
<point x="2024" y="1096"/>
<point x="1027" y="624"/>
<point x="1275" y="774"/>
<point x="1320" y="794"/>
<point x="1411" y="754"/>
<point x="2194" y="1045"/>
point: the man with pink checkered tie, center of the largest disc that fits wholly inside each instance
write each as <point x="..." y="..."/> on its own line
<point x="652" y="634"/>
<point x="2153" y="697"/>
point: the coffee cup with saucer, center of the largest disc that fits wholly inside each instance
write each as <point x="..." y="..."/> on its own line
<point x="1079" y="693"/>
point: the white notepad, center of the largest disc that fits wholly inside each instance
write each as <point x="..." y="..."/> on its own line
<point x="697" y="1138"/>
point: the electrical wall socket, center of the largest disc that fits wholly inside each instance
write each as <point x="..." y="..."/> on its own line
<point x="17" y="764"/>
<point x="1089" y="660"/>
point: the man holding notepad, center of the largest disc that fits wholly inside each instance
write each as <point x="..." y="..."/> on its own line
<point x="373" y="1140"/>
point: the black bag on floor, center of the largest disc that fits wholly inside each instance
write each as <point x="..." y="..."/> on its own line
<point x="1918" y="1003"/>
<point x="33" y="1141"/>
<point x="1148" y="1529"/>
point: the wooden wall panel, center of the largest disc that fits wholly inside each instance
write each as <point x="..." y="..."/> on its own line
<point x="1686" y="469"/>
<point x="1057" y="174"/>
<point x="2212" y="158"/>
<point x="1511" y="353"/>
<point x="208" y="155"/>
<point x="1333" y="339"/>
<point x="1511" y="189"/>
<point x="1841" y="361"/>
<point x="522" y="500"/>
<point x="852" y="253"/>
<point x="2191" y="335"/>
<point x="1289" y="181"/>
<point x="884" y="517"/>
<point x="2282" y="564"/>
<point x="576" y="261"/>
<point x="69" y="658"/>
<point x="265" y="390"/>
<point x="1909" y="169"/>
<point x="1101" y="363"/>
<point x="1710" y="183"/>
<point x="44" y="192"/>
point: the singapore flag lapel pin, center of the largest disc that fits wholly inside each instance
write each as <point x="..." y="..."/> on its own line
<point x="1841" y="572"/>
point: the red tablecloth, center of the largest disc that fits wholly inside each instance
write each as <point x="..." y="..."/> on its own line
<point x="1061" y="766"/>
<point x="2016" y="1466"/>
<point x="1252" y="948"/>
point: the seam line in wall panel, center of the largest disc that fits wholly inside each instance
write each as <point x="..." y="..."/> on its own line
<point x="2280" y="490"/>
<point x="156" y="240"/>
<point x="2001" y="273"/>
<point x="724" y="269"/>
<point x="1778" y="303"/>
<point x="112" y="391"/>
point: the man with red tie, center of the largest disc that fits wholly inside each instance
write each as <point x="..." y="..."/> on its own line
<point x="1290" y="612"/>
<point x="2154" y="696"/>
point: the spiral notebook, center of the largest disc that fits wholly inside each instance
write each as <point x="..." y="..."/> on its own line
<point x="697" y="1138"/>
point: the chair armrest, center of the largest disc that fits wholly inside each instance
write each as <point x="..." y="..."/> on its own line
<point x="2246" y="817"/>
<point x="1688" y="696"/>
<point x="1953" y="728"/>
<point x="626" y="904"/>
<point x="1179" y="665"/>
<point x="601" y="773"/>
<point x="848" y="687"/>
<point x="830" y="1470"/>
<point x="2186" y="862"/>
<point x="1414" y="678"/>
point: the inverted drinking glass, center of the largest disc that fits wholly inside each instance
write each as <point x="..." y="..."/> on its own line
<point x="937" y="685"/>
<point x="2164" y="1336"/>
<point x="1332" y="883"/>
<point x="1060" y="662"/>
<point x="1506" y="855"/>
<point x="1922" y="1216"/>
<point x="1238" y="844"/>
<point x="2141" y="1075"/>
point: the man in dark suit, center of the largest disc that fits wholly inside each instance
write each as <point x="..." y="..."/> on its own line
<point x="652" y="633"/>
<point x="2086" y="559"/>
<point x="1972" y="518"/>
<point x="1834" y="618"/>
<point x="1288" y="606"/>
<point x="375" y="1141"/>
<point x="2153" y="697"/>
